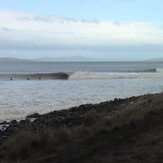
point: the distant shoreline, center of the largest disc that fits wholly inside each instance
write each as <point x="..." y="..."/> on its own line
<point x="75" y="59"/>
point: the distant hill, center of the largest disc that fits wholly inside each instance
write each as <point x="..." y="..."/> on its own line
<point x="68" y="59"/>
<point x="155" y="59"/>
<point x="14" y="60"/>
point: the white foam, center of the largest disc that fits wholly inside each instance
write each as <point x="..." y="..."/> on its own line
<point x="87" y="75"/>
<point x="159" y="69"/>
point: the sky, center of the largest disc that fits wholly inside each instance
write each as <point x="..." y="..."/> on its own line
<point x="106" y="29"/>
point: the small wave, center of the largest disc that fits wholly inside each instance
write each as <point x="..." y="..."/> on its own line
<point x="87" y="75"/>
<point x="144" y="70"/>
<point x="137" y="71"/>
<point x="59" y="75"/>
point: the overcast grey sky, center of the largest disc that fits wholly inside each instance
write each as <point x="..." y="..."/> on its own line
<point x="111" y="29"/>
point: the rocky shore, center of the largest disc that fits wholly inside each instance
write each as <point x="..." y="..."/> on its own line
<point x="105" y="132"/>
<point x="63" y="118"/>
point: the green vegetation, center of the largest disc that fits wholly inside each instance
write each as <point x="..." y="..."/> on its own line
<point x="132" y="132"/>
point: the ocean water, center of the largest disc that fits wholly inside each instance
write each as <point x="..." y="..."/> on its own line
<point x="31" y="87"/>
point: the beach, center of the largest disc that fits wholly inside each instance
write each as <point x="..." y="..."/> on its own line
<point x="121" y="130"/>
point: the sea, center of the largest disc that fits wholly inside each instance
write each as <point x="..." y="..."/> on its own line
<point x="42" y="87"/>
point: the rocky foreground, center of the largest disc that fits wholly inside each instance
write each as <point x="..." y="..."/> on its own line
<point x="123" y="130"/>
<point x="69" y="117"/>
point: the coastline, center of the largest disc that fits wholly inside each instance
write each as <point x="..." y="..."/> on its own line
<point x="116" y="122"/>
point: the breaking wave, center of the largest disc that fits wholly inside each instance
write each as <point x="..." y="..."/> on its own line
<point x="121" y="74"/>
<point x="87" y="75"/>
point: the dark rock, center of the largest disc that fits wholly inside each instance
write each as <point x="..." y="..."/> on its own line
<point x="14" y="122"/>
<point x="35" y="115"/>
<point x="4" y="123"/>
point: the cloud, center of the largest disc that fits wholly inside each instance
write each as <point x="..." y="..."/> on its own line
<point x="40" y="18"/>
<point x="21" y="31"/>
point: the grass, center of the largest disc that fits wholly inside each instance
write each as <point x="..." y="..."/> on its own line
<point x="133" y="132"/>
